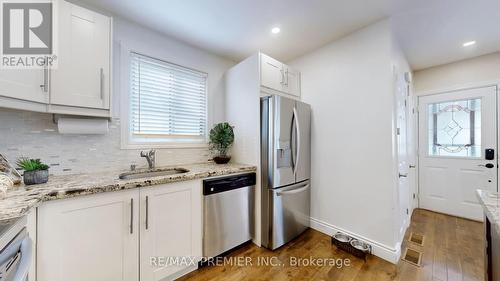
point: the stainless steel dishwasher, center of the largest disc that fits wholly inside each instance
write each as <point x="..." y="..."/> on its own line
<point x="228" y="212"/>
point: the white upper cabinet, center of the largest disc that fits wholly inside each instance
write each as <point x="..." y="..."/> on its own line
<point x="278" y="76"/>
<point x="80" y="83"/>
<point x="292" y="81"/>
<point x="82" y="77"/>
<point x="272" y="73"/>
<point x="24" y="84"/>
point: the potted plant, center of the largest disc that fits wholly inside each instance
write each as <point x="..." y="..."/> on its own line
<point x="35" y="172"/>
<point x="221" y="139"/>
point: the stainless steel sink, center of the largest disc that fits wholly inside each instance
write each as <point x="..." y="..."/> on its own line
<point x="153" y="173"/>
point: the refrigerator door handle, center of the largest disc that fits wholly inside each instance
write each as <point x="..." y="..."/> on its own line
<point x="293" y="191"/>
<point x="292" y="144"/>
<point x="297" y="134"/>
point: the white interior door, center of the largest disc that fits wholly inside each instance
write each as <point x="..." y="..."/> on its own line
<point x="455" y="130"/>
<point x="402" y="141"/>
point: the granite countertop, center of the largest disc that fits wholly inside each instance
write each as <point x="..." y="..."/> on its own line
<point x="491" y="205"/>
<point x="19" y="199"/>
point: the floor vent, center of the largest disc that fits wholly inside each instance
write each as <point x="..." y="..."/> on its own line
<point x="412" y="256"/>
<point x="417" y="238"/>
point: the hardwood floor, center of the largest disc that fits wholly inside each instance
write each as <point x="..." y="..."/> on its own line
<point x="452" y="250"/>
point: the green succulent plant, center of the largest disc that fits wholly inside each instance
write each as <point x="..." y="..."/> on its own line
<point x="29" y="165"/>
<point x="221" y="138"/>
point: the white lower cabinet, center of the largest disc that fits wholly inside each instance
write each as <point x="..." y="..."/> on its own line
<point x="89" y="238"/>
<point x="171" y="228"/>
<point x="120" y="236"/>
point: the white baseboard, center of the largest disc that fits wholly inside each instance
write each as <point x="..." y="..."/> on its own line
<point x="181" y="273"/>
<point x="380" y="250"/>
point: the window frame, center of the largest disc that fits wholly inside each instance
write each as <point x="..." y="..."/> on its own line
<point x="131" y="141"/>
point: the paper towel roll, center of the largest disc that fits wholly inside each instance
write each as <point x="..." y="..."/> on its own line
<point x="82" y="126"/>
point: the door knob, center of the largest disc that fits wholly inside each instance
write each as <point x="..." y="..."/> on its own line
<point x="489" y="165"/>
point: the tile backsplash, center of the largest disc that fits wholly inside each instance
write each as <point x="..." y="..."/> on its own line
<point x="34" y="135"/>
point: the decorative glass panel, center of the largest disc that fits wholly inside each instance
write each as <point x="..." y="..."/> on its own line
<point x="455" y="128"/>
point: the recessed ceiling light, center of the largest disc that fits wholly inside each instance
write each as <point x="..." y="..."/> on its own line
<point x="275" y="30"/>
<point x="470" y="43"/>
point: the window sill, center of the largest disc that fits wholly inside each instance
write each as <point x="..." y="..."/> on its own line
<point x="163" y="145"/>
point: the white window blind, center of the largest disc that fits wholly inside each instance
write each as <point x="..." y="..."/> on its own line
<point x="167" y="101"/>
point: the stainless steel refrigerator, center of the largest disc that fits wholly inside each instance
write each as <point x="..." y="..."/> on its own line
<point x="286" y="169"/>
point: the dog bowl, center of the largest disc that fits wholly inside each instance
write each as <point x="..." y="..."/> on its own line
<point x="360" y="245"/>
<point x="339" y="236"/>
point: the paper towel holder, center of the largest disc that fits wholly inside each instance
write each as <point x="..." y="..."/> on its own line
<point x="81" y="125"/>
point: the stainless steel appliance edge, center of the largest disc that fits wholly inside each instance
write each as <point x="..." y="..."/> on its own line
<point x="285" y="168"/>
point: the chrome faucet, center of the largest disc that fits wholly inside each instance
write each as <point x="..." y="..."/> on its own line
<point x="150" y="157"/>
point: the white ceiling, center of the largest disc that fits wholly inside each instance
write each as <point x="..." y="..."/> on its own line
<point x="430" y="31"/>
<point x="238" y="28"/>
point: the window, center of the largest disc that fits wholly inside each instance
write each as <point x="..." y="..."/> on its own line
<point x="455" y="128"/>
<point x="168" y="102"/>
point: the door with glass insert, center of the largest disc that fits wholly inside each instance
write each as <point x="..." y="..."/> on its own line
<point x="457" y="150"/>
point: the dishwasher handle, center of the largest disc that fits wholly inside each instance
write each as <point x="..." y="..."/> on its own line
<point x="26" y="256"/>
<point x="217" y="185"/>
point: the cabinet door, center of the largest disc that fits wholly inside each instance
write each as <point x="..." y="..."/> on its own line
<point x="292" y="81"/>
<point x="24" y="84"/>
<point x="89" y="238"/>
<point x="271" y="72"/>
<point x="82" y="77"/>
<point x="170" y="227"/>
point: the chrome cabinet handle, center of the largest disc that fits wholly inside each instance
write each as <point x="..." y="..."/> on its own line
<point x="403" y="175"/>
<point x="45" y="85"/>
<point x="412" y="166"/>
<point x="131" y="215"/>
<point x="147" y="212"/>
<point x="286" y="75"/>
<point x="282" y="82"/>
<point x="101" y="83"/>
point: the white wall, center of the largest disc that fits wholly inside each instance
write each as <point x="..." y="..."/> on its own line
<point x="243" y="112"/>
<point x="349" y="84"/>
<point x="483" y="69"/>
<point x="35" y="135"/>
<point x="156" y="45"/>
